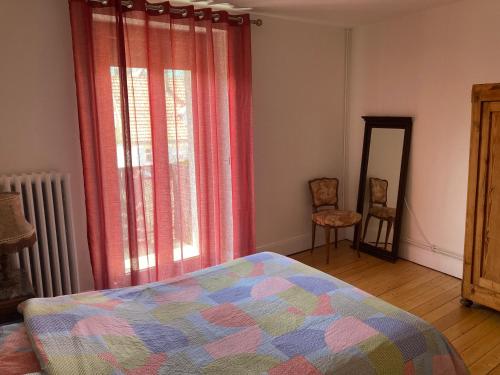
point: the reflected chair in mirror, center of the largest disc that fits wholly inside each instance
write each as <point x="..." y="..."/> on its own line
<point x="378" y="209"/>
<point x="326" y="213"/>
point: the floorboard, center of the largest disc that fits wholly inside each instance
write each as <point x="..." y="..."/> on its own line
<point x="429" y="294"/>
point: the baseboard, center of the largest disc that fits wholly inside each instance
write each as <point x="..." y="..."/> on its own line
<point x="427" y="258"/>
<point x="296" y="244"/>
<point x="290" y="246"/>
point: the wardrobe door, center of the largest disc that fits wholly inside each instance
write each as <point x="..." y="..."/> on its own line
<point x="482" y="248"/>
<point x="487" y="257"/>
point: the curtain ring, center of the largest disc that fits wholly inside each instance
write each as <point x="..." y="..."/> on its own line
<point x="155" y="8"/>
<point x="100" y="2"/>
<point x="129" y="4"/>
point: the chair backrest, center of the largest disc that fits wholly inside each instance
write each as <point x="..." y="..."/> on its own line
<point x="378" y="191"/>
<point x="324" y="192"/>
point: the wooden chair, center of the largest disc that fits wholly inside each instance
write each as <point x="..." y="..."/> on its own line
<point x="326" y="213"/>
<point x="378" y="208"/>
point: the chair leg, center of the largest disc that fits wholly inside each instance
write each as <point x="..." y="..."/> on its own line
<point x="336" y="237"/>
<point x="313" y="236"/>
<point x="389" y="227"/>
<point x="366" y="226"/>
<point x="327" y="239"/>
<point x="380" y="222"/>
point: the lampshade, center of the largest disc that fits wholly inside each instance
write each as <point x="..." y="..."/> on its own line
<point x="15" y="231"/>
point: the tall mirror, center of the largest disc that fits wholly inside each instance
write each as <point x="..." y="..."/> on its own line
<point x="382" y="183"/>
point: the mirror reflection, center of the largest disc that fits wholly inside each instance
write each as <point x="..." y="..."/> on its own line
<point x="382" y="185"/>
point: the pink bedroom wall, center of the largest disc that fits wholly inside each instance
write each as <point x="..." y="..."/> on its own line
<point x="298" y="97"/>
<point x="38" y="114"/>
<point x="424" y="65"/>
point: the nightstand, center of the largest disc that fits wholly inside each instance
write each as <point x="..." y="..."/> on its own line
<point x="19" y="290"/>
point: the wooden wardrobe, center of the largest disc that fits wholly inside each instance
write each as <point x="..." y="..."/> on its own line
<point x="481" y="281"/>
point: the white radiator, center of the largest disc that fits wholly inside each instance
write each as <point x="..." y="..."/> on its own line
<point x="51" y="264"/>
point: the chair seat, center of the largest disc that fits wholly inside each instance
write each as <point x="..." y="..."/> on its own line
<point x="384" y="213"/>
<point x="336" y="218"/>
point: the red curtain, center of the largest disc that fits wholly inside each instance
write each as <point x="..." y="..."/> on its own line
<point x="164" y="100"/>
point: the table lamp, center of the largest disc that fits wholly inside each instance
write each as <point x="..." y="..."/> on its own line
<point x="15" y="233"/>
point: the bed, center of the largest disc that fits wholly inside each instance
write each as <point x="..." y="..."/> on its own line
<point x="16" y="353"/>
<point x="264" y="313"/>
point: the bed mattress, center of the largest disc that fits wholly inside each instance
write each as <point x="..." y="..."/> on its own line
<point x="264" y="313"/>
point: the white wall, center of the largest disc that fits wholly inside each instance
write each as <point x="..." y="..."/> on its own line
<point x="424" y="65"/>
<point x="298" y="91"/>
<point x="38" y="113"/>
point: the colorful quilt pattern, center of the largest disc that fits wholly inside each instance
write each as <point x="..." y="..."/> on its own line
<point x="261" y="314"/>
<point x="16" y="353"/>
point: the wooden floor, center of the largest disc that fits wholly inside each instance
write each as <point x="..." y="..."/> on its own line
<point x="431" y="295"/>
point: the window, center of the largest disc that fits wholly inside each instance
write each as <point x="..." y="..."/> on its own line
<point x="181" y="162"/>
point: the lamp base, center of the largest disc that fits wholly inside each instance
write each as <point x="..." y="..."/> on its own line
<point x="12" y="295"/>
<point x="17" y="285"/>
<point x="7" y="277"/>
<point x="6" y="283"/>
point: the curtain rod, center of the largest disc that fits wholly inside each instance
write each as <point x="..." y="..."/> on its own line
<point x="183" y="12"/>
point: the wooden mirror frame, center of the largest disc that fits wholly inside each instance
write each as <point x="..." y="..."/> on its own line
<point x="378" y="122"/>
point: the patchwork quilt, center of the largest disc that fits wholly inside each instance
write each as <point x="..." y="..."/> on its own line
<point x="16" y="353"/>
<point x="261" y="314"/>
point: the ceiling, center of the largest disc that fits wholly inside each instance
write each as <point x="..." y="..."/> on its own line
<point x="343" y="13"/>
